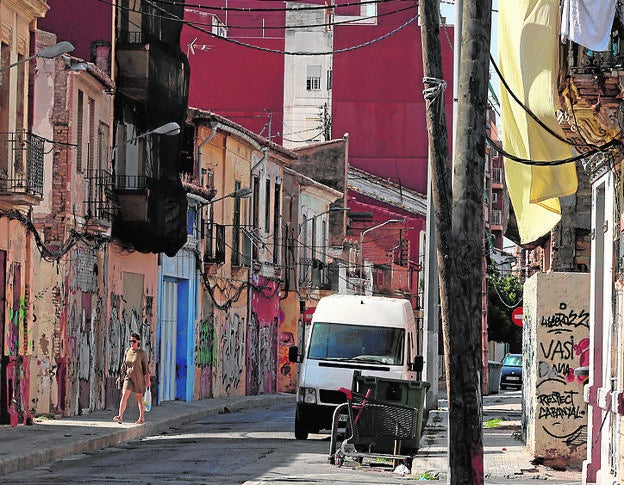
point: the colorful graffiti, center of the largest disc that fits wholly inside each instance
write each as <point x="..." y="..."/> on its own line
<point x="232" y="352"/>
<point x="203" y="343"/>
<point x="262" y="337"/>
<point x="562" y="347"/>
<point x="17" y="368"/>
<point x="289" y="333"/>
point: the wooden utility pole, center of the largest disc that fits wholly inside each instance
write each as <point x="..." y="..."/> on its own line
<point x="458" y="214"/>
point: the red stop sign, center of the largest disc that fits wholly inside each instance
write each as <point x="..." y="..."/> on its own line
<point x="517" y="316"/>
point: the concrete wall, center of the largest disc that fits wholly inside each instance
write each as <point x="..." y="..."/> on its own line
<point x="555" y="342"/>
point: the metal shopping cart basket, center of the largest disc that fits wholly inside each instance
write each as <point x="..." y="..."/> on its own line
<point x="374" y="428"/>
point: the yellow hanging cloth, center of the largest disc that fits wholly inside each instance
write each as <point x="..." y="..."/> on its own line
<point x="528" y="59"/>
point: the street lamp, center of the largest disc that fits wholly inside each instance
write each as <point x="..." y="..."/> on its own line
<point x="47" y="53"/>
<point x="389" y="221"/>
<point x="315" y="216"/>
<point x="242" y="193"/>
<point x="168" y="129"/>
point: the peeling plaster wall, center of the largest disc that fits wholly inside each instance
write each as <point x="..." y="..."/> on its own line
<point x="132" y="288"/>
<point x="15" y="242"/>
<point x="84" y="309"/>
<point x="555" y="342"/>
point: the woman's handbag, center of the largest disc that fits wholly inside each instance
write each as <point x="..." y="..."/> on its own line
<point x="147" y="399"/>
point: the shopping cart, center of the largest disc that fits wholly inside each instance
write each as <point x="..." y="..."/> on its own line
<point x="374" y="428"/>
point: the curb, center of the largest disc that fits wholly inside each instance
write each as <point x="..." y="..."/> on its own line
<point x="108" y="437"/>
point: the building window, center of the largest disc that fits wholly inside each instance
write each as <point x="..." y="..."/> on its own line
<point x="79" y="131"/>
<point x="313" y="242"/>
<point x="494" y="197"/>
<point x="267" y="206"/>
<point x="313" y="81"/>
<point x="324" y="241"/>
<point x="276" y="221"/>
<point x="329" y="79"/>
<point x="236" y="227"/>
<point x="497" y="176"/>
<point x="496" y="218"/>
<point x="91" y="140"/>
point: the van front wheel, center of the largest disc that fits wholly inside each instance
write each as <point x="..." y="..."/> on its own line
<point x="301" y="431"/>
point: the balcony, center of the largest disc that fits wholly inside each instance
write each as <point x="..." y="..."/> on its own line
<point x="21" y="168"/>
<point x="147" y="71"/>
<point x="132" y="194"/>
<point x="314" y="273"/>
<point x="100" y="202"/>
<point x="591" y="95"/>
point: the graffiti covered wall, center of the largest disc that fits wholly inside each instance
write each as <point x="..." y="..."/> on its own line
<point x="555" y="342"/>
<point x="204" y="349"/>
<point x="84" y="310"/>
<point x="229" y="349"/>
<point x="288" y="336"/>
<point x="262" y="331"/>
<point x="132" y="287"/>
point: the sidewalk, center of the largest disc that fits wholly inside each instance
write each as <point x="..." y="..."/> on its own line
<point x="46" y="441"/>
<point x="505" y="458"/>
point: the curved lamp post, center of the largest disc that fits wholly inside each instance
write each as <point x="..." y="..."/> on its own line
<point x="47" y="53"/>
<point x="168" y="129"/>
<point x="242" y="193"/>
<point x="315" y="216"/>
<point x="389" y="221"/>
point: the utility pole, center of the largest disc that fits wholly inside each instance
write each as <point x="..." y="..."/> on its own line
<point x="458" y="212"/>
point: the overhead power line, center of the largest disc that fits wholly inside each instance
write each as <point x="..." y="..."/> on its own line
<point x="273" y="9"/>
<point x="173" y="17"/>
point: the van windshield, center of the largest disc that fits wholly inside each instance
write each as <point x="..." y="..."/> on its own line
<point x="360" y="343"/>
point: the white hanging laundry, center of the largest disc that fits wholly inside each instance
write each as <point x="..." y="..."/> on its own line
<point x="588" y="22"/>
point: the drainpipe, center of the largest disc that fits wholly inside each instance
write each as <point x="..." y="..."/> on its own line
<point x="265" y="155"/>
<point x="214" y="125"/>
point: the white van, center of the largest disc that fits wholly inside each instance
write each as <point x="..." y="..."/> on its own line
<point x="370" y="334"/>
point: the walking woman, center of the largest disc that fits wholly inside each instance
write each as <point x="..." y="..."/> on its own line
<point x="135" y="376"/>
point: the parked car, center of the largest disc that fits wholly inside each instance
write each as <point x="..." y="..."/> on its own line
<point x="511" y="372"/>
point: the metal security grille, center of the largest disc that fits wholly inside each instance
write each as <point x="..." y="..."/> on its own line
<point x="23" y="170"/>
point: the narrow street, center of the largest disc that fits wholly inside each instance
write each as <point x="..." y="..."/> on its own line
<point x="253" y="446"/>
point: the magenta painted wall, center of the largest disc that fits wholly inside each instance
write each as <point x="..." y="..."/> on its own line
<point x="377" y="90"/>
<point x="378" y="100"/>
<point x="262" y="334"/>
<point x="242" y="84"/>
<point x="80" y="23"/>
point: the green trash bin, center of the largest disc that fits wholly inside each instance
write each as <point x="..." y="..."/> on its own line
<point x="396" y="391"/>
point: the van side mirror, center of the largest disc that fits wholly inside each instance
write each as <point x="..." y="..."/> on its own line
<point x="418" y="364"/>
<point x="293" y="354"/>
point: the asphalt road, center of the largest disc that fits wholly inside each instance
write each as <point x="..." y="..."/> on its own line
<point x="255" y="446"/>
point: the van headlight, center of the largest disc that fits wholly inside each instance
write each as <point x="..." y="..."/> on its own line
<point x="307" y="395"/>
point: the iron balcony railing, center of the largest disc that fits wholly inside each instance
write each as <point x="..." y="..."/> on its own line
<point x="21" y="163"/>
<point x="100" y="198"/>
<point x="126" y="37"/>
<point x="313" y="273"/>
<point x="585" y="61"/>
<point x="132" y="182"/>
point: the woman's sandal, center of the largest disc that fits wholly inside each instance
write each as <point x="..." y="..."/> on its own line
<point x="117" y="419"/>
<point x="139" y="421"/>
